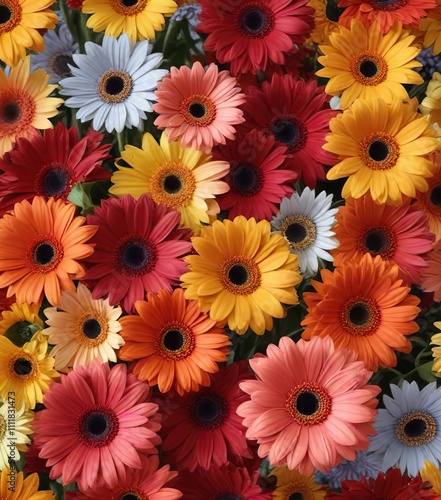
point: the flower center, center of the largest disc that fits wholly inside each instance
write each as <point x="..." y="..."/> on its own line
<point x="416" y="428"/>
<point x="59" y="65"/>
<point x="299" y="231"/>
<point x="131" y="495"/>
<point x="10" y="15"/>
<point x="240" y="275"/>
<point x="209" y="411"/>
<point x="379" y="151"/>
<point x="247" y="179"/>
<point x="11" y="113"/>
<point x="92" y="328"/>
<point x="296" y="496"/>
<point x="254" y="20"/>
<point x="228" y="496"/>
<point x="54" y="180"/>
<point x="388" y="4"/>
<point x="290" y="132"/>
<point x="198" y="110"/>
<point x="435" y="196"/>
<point x="377" y="240"/>
<point x="17" y="110"/>
<point x="23" y="367"/>
<point x="135" y="256"/>
<point x="128" y="7"/>
<point x="44" y="255"/>
<point x="97" y="426"/>
<point x="172" y="185"/>
<point x="175" y="341"/>
<point x="360" y="316"/>
<point x="114" y="86"/>
<point x="368" y="68"/>
<point x="308" y="404"/>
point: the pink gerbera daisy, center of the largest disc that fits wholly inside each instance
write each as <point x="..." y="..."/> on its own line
<point x="202" y="428"/>
<point x="257" y="181"/>
<point x="297" y="114"/>
<point x="249" y="34"/>
<point x="310" y="406"/>
<point x="138" y="249"/>
<point x="96" y="424"/>
<point x="198" y="107"/>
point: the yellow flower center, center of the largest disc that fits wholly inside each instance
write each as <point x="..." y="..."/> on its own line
<point x="91" y="329"/>
<point x="172" y="185"/>
<point x="240" y="275"/>
<point x="114" y="86"/>
<point x="128" y="7"/>
<point x="10" y="15"/>
<point x="368" y="68"/>
<point x="23" y="367"/>
<point x="17" y="111"/>
<point x="377" y="240"/>
<point x="360" y="316"/>
<point x="299" y="231"/>
<point x="198" y="110"/>
<point x="379" y="151"/>
<point x="175" y="341"/>
<point x="44" y="254"/>
<point x="308" y="404"/>
<point x="416" y="428"/>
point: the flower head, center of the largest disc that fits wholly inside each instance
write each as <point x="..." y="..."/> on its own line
<point x="20" y="322"/>
<point x="28" y="487"/>
<point x="292" y="484"/>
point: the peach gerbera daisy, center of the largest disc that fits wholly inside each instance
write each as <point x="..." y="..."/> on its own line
<point x="198" y="107"/>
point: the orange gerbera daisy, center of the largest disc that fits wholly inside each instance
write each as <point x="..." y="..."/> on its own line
<point x="173" y="342"/>
<point x="41" y="243"/>
<point x="364" y="307"/>
<point x="24" y="103"/>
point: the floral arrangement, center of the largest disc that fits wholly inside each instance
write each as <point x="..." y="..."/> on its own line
<point x="220" y="249"/>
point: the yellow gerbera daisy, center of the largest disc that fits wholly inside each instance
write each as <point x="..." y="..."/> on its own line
<point x="15" y="429"/>
<point x="364" y="63"/>
<point x="382" y="149"/>
<point x="20" y="323"/>
<point x="431" y="26"/>
<point x="21" y="22"/>
<point x="180" y="178"/>
<point x="292" y="484"/>
<point x="138" y="18"/>
<point x="82" y="329"/>
<point x="24" y="489"/>
<point x="323" y="25"/>
<point x="241" y="274"/>
<point x="24" y="103"/>
<point x="436" y="340"/>
<point x="431" y="104"/>
<point x="432" y="474"/>
<point x="25" y="371"/>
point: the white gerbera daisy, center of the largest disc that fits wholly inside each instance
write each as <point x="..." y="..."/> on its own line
<point x="305" y="222"/>
<point x="15" y="429"/>
<point x="409" y="428"/>
<point x="114" y="83"/>
<point x="59" y="47"/>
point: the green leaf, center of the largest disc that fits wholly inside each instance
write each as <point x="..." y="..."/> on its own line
<point x="80" y="196"/>
<point x="425" y="372"/>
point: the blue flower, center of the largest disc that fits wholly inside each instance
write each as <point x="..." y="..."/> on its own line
<point x="190" y="12"/>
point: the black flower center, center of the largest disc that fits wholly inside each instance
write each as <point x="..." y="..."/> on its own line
<point x="307" y="403"/>
<point x="254" y="20"/>
<point x="368" y="69"/>
<point x="130" y="496"/>
<point x="44" y="254"/>
<point x="435" y="196"/>
<point x="286" y="131"/>
<point x="92" y="328"/>
<point x="295" y="232"/>
<point x="295" y="496"/>
<point x="228" y="496"/>
<point x="378" y="151"/>
<point x="22" y="366"/>
<point x="376" y="242"/>
<point x="172" y="184"/>
<point x="359" y="315"/>
<point x="387" y="3"/>
<point x="129" y="3"/>
<point x="238" y="274"/>
<point x="11" y="113"/>
<point x="55" y="182"/>
<point x="415" y="428"/>
<point x="5" y="14"/>
<point x="197" y="110"/>
<point x="96" y="426"/>
<point x="173" y="340"/>
<point x="246" y="180"/>
<point x="60" y="65"/>
<point x="135" y="256"/>
<point x="333" y="12"/>
<point x="208" y="410"/>
<point x="114" y="85"/>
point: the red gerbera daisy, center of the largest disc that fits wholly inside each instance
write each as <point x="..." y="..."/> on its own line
<point x="297" y="114"/>
<point x="202" y="428"/>
<point x="250" y="33"/>
<point x="385" y="12"/>
<point x="257" y="183"/>
<point x="96" y="425"/>
<point x="51" y="164"/>
<point x="138" y="249"/>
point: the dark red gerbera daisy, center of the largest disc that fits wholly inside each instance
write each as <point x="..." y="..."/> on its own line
<point x="257" y="181"/>
<point x="50" y="164"/>
<point x="297" y="114"/>
<point x="251" y="33"/>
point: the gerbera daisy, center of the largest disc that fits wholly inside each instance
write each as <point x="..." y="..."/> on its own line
<point x="24" y="489"/>
<point x="431" y="26"/>
<point x="382" y="149"/>
<point x="363" y="306"/>
<point x="408" y="428"/>
<point x="82" y="329"/>
<point x="139" y="19"/>
<point x="431" y="104"/>
<point x="430" y="203"/>
<point x="202" y="428"/>
<point x="15" y="429"/>
<point x="326" y="17"/>
<point x="297" y="114"/>
<point x="310" y="406"/>
<point x="20" y="323"/>
<point x="114" y="83"/>
<point x="180" y="178"/>
<point x="27" y="371"/>
<point x="385" y="12"/>
<point x="292" y="484"/>
<point x="44" y="242"/>
<point x="51" y="165"/>
<point x="398" y="233"/>
<point x="96" y="425"/>
<point x="249" y="34"/>
<point x="198" y="107"/>
<point x="305" y="221"/>
<point x="362" y="63"/>
<point x="432" y="474"/>
<point x="436" y="340"/>
<point x="431" y="275"/>
<point x="223" y="483"/>
<point x="257" y="180"/>
<point x="21" y="25"/>
<point x="173" y="342"/>
<point x="138" y="249"/>
<point x="24" y="101"/>
<point x="59" y="47"/>
<point x="241" y="274"/>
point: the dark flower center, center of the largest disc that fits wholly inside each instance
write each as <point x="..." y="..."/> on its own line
<point x="307" y="403"/>
<point x="11" y="113"/>
<point x="129" y="496"/>
<point x="96" y="426"/>
<point x="368" y="69"/>
<point x="376" y="242"/>
<point x="289" y="131"/>
<point x="92" y="328"/>
<point x="415" y="428"/>
<point x="60" y="65"/>
<point x="173" y="340"/>
<point x="5" y="14"/>
<point x="22" y="366"/>
<point x="209" y="412"/>
<point x="254" y="20"/>
<point x="333" y="12"/>
<point x="359" y="315"/>
<point x="247" y="180"/>
<point x="55" y="181"/>
<point x="435" y="196"/>
<point x="172" y="184"/>
<point x="238" y="274"/>
<point x="295" y="496"/>
<point x="129" y="3"/>
<point x="114" y="85"/>
<point x="378" y="151"/>
<point x="44" y="254"/>
<point x="197" y="110"/>
<point x="388" y="4"/>
<point x="228" y="496"/>
<point x="135" y="256"/>
<point x="296" y="232"/>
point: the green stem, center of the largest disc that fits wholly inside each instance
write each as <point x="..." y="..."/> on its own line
<point x="121" y="141"/>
